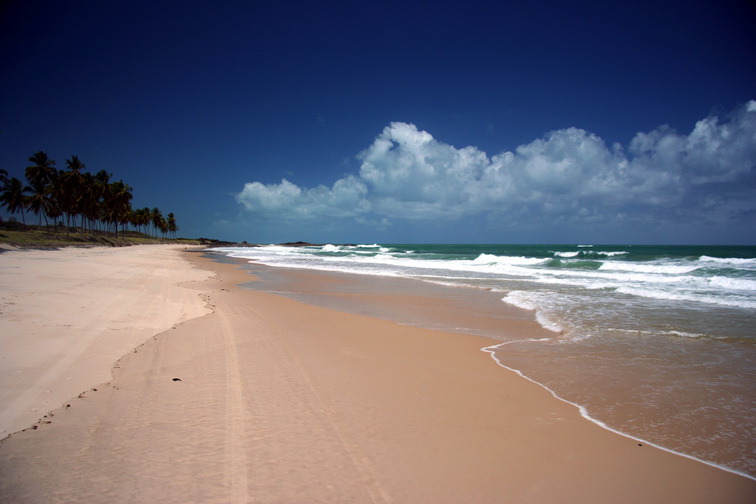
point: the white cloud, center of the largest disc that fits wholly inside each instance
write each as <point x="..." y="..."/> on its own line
<point x="346" y="198"/>
<point x="569" y="175"/>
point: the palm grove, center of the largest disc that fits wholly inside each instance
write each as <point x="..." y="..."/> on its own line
<point x="89" y="201"/>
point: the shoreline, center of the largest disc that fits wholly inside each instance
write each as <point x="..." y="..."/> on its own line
<point x="460" y="310"/>
<point x="522" y="326"/>
<point x="585" y="413"/>
<point x="270" y="400"/>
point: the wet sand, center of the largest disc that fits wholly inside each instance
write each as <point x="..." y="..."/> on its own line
<point x="638" y="390"/>
<point x="267" y="400"/>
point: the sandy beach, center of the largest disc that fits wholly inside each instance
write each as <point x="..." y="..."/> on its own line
<point x="145" y="374"/>
<point x="66" y="317"/>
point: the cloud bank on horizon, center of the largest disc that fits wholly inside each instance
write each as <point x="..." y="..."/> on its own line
<point x="569" y="177"/>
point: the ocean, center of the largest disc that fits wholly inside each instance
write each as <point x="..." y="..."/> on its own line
<point x="654" y="342"/>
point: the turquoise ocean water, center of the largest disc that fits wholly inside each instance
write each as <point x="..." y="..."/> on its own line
<point x="655" y="342"/>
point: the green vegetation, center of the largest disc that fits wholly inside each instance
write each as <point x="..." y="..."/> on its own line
<point x="32" y="236"/>
<point x="94" y="208"/>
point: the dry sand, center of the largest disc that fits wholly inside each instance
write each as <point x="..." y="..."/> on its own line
<point x="67" y="315"/>
<point x="273" y="401"/>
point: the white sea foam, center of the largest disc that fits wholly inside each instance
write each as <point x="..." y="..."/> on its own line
<point x="604" y="279"/>
<point x="677" y="280"/>
<point x="613" y="254"/>
<point x="520" y="299"/>
<point x="659" y="268"/>
<point x="697" y="297"/>
<point x="533" y="301"/>
<point x="547" y="323"/>
<point x="566" y="254"/>
<point x="620" y="278"/>
<point x="491" y="259"/>
<point x="734" y="261"/>
<point x="733" y="283"/>
<point x="588" y="253"/>
<point x="684" y="334"/>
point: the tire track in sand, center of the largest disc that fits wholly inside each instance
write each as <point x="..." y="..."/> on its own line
<point x="235" y="464"/>
<point x="279" y="432"/>
<point x="314" y="413"/>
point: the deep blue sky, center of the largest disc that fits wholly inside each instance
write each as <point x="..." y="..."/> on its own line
<point x="399" y="121"/>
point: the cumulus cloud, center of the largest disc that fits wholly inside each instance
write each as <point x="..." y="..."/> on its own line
<point x="569" y="174"/>
<point x="346" y="198"/>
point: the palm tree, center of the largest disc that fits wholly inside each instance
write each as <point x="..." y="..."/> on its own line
<point x="3" y="183"/>
<point x="97" y="195"/>
<point x="171" y="223"/>
<point x="163" y="227"/>
<point x="39" y="200"/>
<point x="157" y="219"/>
<point x="58" y="195"/>
<point x="118" y="203"/>
<point x="40" y="176"/>
<point x="73" y="192"/>
<point x="14" y="197"/>
<point x="139" y="218"/>
<point x="41" y="172"/>
<point x="124" y="197"/>
<point x="74" y="183"/>
<point x="145" y="218"/>
<point x="93" y="197"/>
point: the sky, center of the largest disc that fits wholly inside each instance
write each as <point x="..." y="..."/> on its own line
<point x="399" y="121"/>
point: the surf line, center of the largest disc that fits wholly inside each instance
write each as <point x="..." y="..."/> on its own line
<point x="491" y="350"/>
